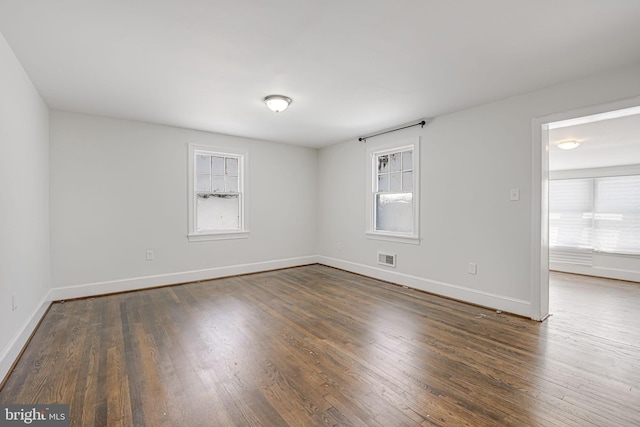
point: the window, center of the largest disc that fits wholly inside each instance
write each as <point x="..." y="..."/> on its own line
<point x="216" y="194"/>
<point x="617" y="214"/>
<point x="571" y="213"/>
<point x="392" y="205"/>
<point x="600" y="214"/>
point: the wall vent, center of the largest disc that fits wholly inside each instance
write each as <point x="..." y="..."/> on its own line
<point x="387" y="259"/>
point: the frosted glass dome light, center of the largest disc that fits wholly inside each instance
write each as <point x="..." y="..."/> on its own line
<point x="568" y="145"/>
<point x="277" y="103"/>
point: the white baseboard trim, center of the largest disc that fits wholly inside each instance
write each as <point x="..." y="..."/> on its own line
<point x="136" y="283"/>
<point x="13" y="349"/>
<point x="609" y="273"/>
<point x="485" y="299"/>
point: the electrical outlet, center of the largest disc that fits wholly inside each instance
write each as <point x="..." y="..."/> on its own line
<point x="149" y="255"/>
<point x="514" y="194"/>
<point x="14" y="304"/>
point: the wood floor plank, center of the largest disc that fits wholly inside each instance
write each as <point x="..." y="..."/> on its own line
<point x="316" y="346"/>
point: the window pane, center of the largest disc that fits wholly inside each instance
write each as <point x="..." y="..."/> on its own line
<point x="203" y="182"/>
<point x="617" y="214"/>
<point x="383" y="163"/>
<point x="218" y="165"/>
<point x="217" y="184"/>
<point x="407" y="181"/>
<point x="383" y="182"/>
<point x="395" y="162"/>
<point x="220" y="212"/>
<point x="232" y="184"/>
<point x="396" y="182"/>
<point x="407" y="160"/>
<point x="571" y="213"/>
<point x="232" y="166"/>
<point x="394" y="212"/>
<point x="203" y="164"/>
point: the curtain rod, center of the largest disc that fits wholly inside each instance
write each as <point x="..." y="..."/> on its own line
<point x="364" y="138"/>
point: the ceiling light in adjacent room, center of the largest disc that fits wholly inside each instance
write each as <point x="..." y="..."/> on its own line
<point x="277" y="103"/>
<point x="568" y="145"/>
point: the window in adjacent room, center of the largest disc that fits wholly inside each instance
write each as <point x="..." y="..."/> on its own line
<point x="571" y="213"/>
<point x="617" y="215"/>
<point x="600" y="214"/>
<point x="216" y="194"/>
<point x="392" y="205"/>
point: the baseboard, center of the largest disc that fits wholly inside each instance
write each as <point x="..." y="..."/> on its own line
<point x="137" y="283"/>
<point x="485" y="299"/>
<point x="609" y="273"/>
<point x="13" y="350"/>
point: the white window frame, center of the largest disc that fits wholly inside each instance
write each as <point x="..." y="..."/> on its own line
<point x="372" y="176"/>
<point x="197" y="236"/>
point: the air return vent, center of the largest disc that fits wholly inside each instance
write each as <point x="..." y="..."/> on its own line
<point x="387" y="259"/>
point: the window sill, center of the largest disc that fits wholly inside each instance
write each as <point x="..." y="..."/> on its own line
<point x="399" y="238"/>
<point x="228" y="235"/>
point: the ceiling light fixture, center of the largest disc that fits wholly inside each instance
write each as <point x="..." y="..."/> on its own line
<point x="277" y="103"/>
<point x="568" y="145"/>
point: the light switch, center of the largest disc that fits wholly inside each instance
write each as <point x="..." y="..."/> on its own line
<point x="514" y="194"/>
<point x="473" y="268"/>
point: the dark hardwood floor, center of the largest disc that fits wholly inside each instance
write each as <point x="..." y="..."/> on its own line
<point x="314" y="346"/>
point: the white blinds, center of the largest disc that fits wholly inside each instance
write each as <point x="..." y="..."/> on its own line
<point x="571" y="213"/>
<point x="617" y="214"/>
<point x="602" y="214"/>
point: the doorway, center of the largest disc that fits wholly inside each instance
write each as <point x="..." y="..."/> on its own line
<point x="547" y="134"/>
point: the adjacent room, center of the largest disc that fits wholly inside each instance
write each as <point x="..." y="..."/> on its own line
<point x="300" y="213"/>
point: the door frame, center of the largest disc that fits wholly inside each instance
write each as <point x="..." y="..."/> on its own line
<point x="540" y="198"/>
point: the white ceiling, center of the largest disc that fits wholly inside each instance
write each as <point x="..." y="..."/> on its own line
<point x="604" y="143"/>
<point x="352" y="67"/>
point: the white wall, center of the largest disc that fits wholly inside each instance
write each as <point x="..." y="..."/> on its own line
<point x="24" y="206"/>
<point x="470" y="159"/>
<point x="119" y="188"/>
